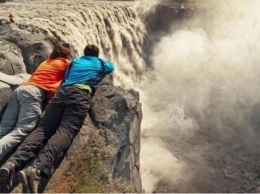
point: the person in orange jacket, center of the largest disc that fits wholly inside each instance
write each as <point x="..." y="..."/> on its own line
<point x="25" y="105"/>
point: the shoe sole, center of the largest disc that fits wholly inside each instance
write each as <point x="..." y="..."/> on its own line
<point x="24" y="180"/>
<point x="33" y="184"/>
<point x="4" y="175"/>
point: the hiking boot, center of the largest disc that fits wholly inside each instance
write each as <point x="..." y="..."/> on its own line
<point x="30" y="179"/>
<point x="23" y="179"/>
<point x="6" y="177"/>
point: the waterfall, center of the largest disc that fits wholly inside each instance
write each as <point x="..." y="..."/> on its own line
<point x="115" y="28"/>
<point x="201" y="101"/>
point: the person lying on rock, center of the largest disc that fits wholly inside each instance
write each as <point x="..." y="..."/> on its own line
<point x="25" y="105"/>
<point x="63" y="118"/>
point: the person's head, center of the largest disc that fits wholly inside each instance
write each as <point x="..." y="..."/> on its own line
<point x="60" y="51"/>
<point x="91" y="50"/>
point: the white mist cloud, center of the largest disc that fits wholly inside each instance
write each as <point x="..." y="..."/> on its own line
<point x="146" y="5"/>
<point x="199" y="98"/>
<point x="157" y="172"/>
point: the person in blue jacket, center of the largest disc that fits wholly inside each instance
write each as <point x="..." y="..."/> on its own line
<point x="63" y="118"/>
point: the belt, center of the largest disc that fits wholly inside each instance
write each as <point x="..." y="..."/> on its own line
<point x="84" y="87"/>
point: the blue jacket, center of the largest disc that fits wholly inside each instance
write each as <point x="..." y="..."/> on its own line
<point x="84" y="68"/>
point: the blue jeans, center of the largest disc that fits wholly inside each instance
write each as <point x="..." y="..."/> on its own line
<point x="20" y="117"/>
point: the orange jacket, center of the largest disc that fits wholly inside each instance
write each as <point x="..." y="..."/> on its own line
<point x="49" y="75"/>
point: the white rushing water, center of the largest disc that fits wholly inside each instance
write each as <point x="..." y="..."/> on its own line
<point x="201" y="100"/>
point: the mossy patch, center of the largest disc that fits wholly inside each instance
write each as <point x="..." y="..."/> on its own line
<point x="91" y="172"/>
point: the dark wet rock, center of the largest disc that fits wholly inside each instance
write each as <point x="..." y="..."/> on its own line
<point x="21" y="48"/>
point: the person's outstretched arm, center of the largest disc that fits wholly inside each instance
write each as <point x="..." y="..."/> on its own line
<point x="109" y="67"/>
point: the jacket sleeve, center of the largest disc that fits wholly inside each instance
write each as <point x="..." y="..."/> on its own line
<point x="109" y="67"/>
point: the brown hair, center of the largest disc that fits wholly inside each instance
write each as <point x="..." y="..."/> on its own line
<point x="91" y="50"/>
<point x="60" y="51"/>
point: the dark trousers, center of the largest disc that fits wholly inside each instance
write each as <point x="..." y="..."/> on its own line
<point x="63" y="118"/>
